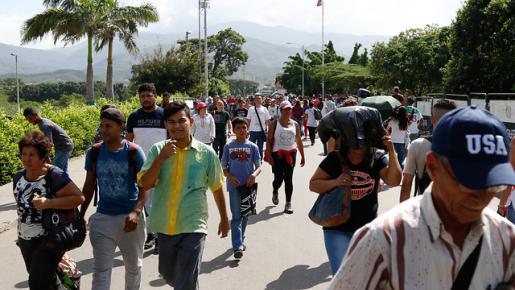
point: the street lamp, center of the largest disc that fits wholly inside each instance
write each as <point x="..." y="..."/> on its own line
<point x="17" y="82"/>
<point x="204" y="4"/>
<point x="303" y="53"/>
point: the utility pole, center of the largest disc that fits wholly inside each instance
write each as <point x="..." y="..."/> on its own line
<point x="17" y="82"/>
<point x="323" y="52"/>
<point x="199" y="43"/>
<point x="204" y="6"/>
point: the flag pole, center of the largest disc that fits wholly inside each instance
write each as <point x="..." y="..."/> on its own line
<point x="323" y="54"/>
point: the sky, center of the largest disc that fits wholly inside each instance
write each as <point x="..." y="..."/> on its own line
<point x="360" y="17"/>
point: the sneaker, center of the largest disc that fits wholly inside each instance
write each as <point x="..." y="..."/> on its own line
<point x="150" y="242"/>
<point x="238" y="254"/>
<point x="287" y="208"/>
<point x="275" y="198"/>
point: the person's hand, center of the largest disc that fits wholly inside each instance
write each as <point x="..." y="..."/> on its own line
<point x="502" y="210"/>
<point x="302" y="161"/>
<point x="269" y="159"/>
<point x="344" y="179"/>
<point x="387" y="141"/>
<point x="251" y="180"/>
<point x="40" y="203"/>
<point x="223" y="228"/>
<point x="168" y="150"/>
<point x="233" y="180"/>
<point x="131" y="222"/>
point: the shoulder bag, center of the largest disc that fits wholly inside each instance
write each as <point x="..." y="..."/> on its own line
<point x="333" y="208"/>
<point x="248" y="199"/>
<point x="65" y="228"/>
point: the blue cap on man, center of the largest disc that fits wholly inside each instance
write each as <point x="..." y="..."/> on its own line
<point x="477" y="146"/>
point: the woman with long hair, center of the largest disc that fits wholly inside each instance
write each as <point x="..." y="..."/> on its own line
<point x="32" y="187"/>
<point x="366" y="166"/>
<point x="398" y="129"/>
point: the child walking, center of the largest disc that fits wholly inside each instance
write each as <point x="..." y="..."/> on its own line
<point x="241" y="163"/>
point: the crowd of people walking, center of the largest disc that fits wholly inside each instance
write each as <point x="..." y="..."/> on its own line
<point x="151" y="171"/>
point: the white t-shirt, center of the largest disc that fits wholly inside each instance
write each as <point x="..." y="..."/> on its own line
<point x="398" y="135"/>
<point x="203" y="128"/>
<point x="263" y="116"/>
<point x="312" y="122"/>
<point x="284" y="138"/>
<point x="413" y="126"/>
<point x="416" y="158"/>
<point x="328" y="107"/>
<point x="273" y="112"/>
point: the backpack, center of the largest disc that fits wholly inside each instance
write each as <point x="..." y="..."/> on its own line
<point x="317" y="114"/>
<point x="95" y="152"/>
<point x="423" y="182"/>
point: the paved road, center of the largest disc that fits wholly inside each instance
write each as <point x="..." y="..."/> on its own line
<point x="284" y="252"/>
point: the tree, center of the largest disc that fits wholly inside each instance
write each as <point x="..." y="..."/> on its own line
<point x="363" y="59"/>
<point x="70" y="21"/>
<point x="341" y="77"/>
<point x="412" y="60"/>
<point x="240" y="87"/>
<point x="227" y="51"/>
<point x="174" y="71"/>
<point x="122" y="22"/>
<point x="482" y="48"/>
<point x="354" y="59"/>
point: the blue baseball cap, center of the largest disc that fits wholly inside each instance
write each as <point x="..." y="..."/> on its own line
<point x="477" y="146"/>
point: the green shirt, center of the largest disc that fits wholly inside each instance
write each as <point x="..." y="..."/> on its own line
<point x="179" y="201"/>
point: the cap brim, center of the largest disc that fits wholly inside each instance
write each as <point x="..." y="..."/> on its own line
<point x="473" y="175"/>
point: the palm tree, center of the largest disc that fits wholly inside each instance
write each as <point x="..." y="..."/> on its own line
<point x="122" y="22"/>
<point x="70" y="21"/>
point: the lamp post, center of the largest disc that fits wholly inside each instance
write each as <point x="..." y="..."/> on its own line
<point x="17" y="82"/>
<point x="303" y="53"/>
<point x="204" y="4"/>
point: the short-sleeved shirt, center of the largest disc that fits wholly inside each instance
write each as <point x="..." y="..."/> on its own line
<point x="241" y="159"/>
<point x="148" y="127"/>
<point x="365" y="182"/>
<point x="241" y="113"/>
<point x="312" y="121"/>
<point x="254" y="122"/>
<point x="29" y="218"/>
<point x="416" y="158"/>
<point x="398" y="135"/>
<point x="414" y="115"/>
<point x="221" y="119"/>
<point x="409" y="248"/>
<point x="56" y="134"/>
<point x="179" y="201"/>
<point x="118" y="192"/>
<point x="273" y="111"/>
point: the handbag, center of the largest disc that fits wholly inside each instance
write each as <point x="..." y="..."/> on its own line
<point x="248" y="199"/>
<point x="332" y="208"/>
<point x="65" y="228"/>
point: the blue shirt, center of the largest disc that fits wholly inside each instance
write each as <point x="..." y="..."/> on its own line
<point x="241" y="159"/>
<point x="118" y="192"/>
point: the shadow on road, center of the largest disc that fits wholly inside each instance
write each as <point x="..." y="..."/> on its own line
<point x="301" y="277"/>
<point x="218" y="263"/>
<point x="8" y="206"/>
<point x="263" y="215"/>
<point x="86" y="266"/>
<point x="22" y="285"/>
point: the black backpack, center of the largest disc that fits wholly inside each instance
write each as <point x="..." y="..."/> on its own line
<point x="317" y="114"/>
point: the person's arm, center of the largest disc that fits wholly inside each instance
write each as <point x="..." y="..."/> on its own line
<point x="300" y="146"/>
<point x="132" y="219"/>
<point x="407" y="180"/>
<point x="268" y="143"/>
<point x="223" y="227"/>
<point x="68" y="197"/>
<point x="149" y="177"/>
<point x="321" y="182"/>
<point x="212" y="132"/>
<point x="229" y="124"/>
<point x="88" y="189"/>
<point x="391" y="174"/>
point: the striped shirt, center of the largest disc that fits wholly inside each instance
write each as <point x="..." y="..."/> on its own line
<point x="179" y="200"/>
<point x="409" y="248"/>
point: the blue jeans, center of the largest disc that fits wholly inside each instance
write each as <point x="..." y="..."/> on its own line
<point x="299" y="121"/>
<point x="238" y="223"/>
<point x="61" y="159"/>
<point x="336" y="244"/>
<point x="258" y="138"/>
<point x="400" y="149"/>
<point x="511" y="214"/>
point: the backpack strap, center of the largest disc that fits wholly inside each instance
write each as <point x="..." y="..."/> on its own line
<point x="133" y="167"/>
<point x="95" y="151"/>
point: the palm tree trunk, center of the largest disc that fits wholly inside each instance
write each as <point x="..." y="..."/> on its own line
<point x="109" y="73"/>
<point x="89" y="73"/>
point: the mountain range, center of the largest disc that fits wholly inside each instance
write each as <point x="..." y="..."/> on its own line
<point x="265" y="45"/>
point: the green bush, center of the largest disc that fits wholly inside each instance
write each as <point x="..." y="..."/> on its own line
<point x="80" y="122"/>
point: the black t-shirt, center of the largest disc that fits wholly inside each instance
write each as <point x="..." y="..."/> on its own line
<point x="365" y="181"/>
<point x="241" y="113"/>
<point x="221" y="119"/>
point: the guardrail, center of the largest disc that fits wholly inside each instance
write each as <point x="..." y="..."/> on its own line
<point x="501" y="105"/>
